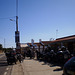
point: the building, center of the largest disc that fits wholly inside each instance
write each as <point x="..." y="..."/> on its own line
<point x="68" y="42"/>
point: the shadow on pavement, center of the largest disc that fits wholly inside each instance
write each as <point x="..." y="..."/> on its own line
<point x="52" y="64"/>
<point x="3" y="64"/>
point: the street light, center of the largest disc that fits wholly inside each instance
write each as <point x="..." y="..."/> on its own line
<point x="12" y="20"/>
<point x="17" y="36"/>
<point x="17" y="33"/>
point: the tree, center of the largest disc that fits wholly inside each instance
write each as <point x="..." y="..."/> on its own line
<point x="1" y="47"/>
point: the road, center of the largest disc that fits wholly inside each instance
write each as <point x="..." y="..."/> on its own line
<point x="29" y="67"/>
<point x="5" y="69"/>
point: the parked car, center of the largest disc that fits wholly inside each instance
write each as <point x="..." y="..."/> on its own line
<point x="69" y="67"/>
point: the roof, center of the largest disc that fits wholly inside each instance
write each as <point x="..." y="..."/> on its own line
<point x="64" y="39"/>
<point x="72" y="36"/>
<point x="68" y="38"/>
<point x="46" y="42"/>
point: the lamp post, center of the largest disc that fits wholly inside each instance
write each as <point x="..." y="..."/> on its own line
<point x="17" y="33"/>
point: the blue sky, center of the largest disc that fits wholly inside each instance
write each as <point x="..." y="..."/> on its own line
<point x="38" y="19"/>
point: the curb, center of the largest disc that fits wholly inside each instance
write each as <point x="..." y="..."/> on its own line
<point x="22" y="67"/>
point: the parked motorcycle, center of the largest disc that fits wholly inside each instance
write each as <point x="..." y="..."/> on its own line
<point x="19" y="57"/>
<point x="60" y="57"/>
<point x="66" y="55"/>
<point x="10" y="58"/>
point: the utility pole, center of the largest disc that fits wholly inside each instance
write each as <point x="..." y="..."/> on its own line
<point x="16" y="15"/>
<point x="17" y="33"/>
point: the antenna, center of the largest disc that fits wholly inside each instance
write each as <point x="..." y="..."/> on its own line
<point x="56" y="33"/>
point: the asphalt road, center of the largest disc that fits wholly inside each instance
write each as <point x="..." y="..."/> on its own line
<point x="5" y="69"/>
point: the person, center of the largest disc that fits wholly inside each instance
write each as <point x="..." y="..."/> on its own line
<point x="37" y="52"/>
<point x="60" y="56"/>
<point x="66" y="54"/>
<point x="30" y="55"/>
<point x="19" y="57"/>
<point x="52" y="53"/>
<point x="24" y="54"/>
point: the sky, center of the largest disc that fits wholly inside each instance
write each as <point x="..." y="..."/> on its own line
<point x="37" y="19"/>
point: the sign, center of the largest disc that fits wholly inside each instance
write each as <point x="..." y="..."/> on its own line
<point x="40" y="42"/>
<point x="32" y="41"/>
<point x="17" y="39"/>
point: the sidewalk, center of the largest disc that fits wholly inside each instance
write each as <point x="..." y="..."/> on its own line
<point x="17" y="69"/>
<point x="34" y="67"/>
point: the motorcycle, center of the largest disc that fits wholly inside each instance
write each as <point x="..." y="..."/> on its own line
<point x="10" y="58"/>
<point x="19" y="57"/>
<point x="66" y="56"/>
<point x="60" y="57"/>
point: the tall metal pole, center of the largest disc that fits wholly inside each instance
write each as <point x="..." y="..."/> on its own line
<point x="16" y="15"/>
<point x="16" y="23"/>
<point x="16" y="7"/>
<point x="17" y="37"/>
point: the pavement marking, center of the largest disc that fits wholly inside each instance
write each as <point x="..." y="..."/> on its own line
<point x="5" y="73"/>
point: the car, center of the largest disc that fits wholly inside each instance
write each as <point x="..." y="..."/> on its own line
<point x="69" y="67"/>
